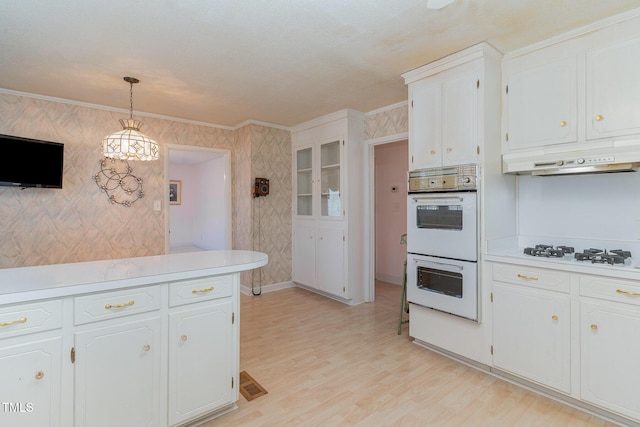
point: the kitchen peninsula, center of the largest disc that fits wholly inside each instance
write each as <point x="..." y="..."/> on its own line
<point x="137" y="341"/>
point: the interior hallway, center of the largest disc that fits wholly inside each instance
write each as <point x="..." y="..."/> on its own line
<point x="329" y="364"/>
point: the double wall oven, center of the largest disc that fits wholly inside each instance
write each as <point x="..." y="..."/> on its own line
<point x="442" y="240"/>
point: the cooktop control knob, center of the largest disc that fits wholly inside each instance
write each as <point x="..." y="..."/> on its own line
<point x="559" y="163"/>
<point x="466" y="180"/>
<point x="580" y="161"/>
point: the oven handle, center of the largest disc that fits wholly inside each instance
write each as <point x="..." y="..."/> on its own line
<point x="459" y="267"/>
<point x="427" y="198"/>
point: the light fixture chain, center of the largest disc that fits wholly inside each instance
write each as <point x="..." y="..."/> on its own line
<point x="131" y="101"/>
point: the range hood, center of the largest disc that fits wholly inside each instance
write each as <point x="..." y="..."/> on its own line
<point x="609" y="156"/>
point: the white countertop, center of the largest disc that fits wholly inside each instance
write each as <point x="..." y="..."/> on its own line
<point x="511" y="251"/>
<point x="60" y="280"/>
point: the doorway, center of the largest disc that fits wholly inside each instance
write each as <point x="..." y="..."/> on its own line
<point x="390" y="169"/>
<point x="385" y="190"/>
<point x="198" y="198"/>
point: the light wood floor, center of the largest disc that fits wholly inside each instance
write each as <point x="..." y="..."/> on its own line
<point x="328" y="364"/>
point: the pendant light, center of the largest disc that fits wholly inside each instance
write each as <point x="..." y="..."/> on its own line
<point x="129" y="143"/>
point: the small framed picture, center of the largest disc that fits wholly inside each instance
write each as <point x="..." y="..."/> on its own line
<point x="175" y="192"/>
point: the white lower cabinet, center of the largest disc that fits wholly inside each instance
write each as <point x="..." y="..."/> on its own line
<point x="200" y="360"/>
<point x="304" y="263"/>
<point x="536" y="327"/>
<point x="531" y="334"/>
<point x="331" y="261"/>
<point x="320" y="258"/>
<point x="610" y="348"/>
<point x="117" y="373"/>
<point x="30" y="381"/>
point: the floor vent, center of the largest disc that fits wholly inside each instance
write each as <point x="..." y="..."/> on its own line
<point x="249" y="387"/>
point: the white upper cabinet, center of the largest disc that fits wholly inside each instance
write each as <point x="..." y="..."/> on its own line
<point x="579" y="88"/>
<point x="443" y="118"/>
<point x="541" y="103"/>
<point x="447" y="108"/>
<point x="613" y="90"/>
<point x="424" y="120"/>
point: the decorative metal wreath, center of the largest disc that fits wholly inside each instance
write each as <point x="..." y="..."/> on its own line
<point x="116" y="180"/>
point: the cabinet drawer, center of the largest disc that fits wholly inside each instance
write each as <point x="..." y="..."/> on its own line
<point x="532" y="276"/>
<point x="194" y="290"/>
<point x="606" y="288"/>
<point x="29" y="318"/>
<point x="107" y="305"/>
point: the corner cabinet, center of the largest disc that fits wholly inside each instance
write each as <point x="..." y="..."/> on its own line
<point x="446" y="110"/>
<point x="327" y="204"/>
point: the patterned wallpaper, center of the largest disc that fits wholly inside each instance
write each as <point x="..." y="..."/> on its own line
<point x="384" y="122"/>
<point x="271" y="159"/>
<point x="77" y="223"/>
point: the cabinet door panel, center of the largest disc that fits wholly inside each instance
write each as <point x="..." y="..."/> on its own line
<point x="30" y="383"/>
<point x="200" y="360"/>
<point x="424" y="124"/>
<point x="531" y="335"/>
<point x="613" y="90"/>
<point x="304" y="259"/>
<point x="542" y="105"/>
<point x="303" y="160"/>
<point x="610" y="352"/>
<point x="460" y="118"/>
<point x="117" y="376"/>
<point x="331" y="261"/>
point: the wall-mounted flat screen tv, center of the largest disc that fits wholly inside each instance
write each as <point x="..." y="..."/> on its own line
<point x="28" y="162"/>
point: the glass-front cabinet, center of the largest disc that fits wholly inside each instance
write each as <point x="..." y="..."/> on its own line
<point x="304" y="188"/>
<point x="319" y="180"/>
<point x="330" y="204"/>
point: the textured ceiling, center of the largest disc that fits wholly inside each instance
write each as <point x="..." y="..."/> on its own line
<point x="279" y="61"/>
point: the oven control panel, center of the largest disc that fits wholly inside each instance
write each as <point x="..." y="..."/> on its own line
<point x="453" y="178"/>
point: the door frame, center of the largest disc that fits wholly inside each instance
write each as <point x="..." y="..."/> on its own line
<point x="370" y="218"/>
<point x="226" y="154"/>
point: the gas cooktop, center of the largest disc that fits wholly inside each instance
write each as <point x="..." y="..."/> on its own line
<point x="595" y="256"/>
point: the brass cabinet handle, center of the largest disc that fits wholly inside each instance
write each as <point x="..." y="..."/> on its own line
<point x="563" y="123"/>
<point x="554" y="317"/>
<point x="433" y="152"/>
<point x="449" y="149"/>
<point x="39" y="375"/>
<point x="183" y="338"/>
<point x="599" y="118"/>
<point x="146" y="347"/>
<point x="202" y="291"/>
<point x="522" y="276"/>
<point x="594" y="327"/>
<point x="13" y="322"/>
<point x="631" y="294"/>
<point x="126" y="304"/>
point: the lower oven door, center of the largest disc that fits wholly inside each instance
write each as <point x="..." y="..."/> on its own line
<point x="443" y="284"/>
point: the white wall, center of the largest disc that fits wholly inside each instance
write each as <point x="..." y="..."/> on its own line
<point x="391" y="163"/>
<point x="597" y="206"/>
<point x="201" y="219"/>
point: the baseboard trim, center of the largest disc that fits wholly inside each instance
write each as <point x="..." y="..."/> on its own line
<point x="534" y="387"/>
<point x="394" y="280"/>
<point x="266" y="288"/>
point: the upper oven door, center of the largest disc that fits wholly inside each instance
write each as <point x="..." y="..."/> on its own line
<point x="443" y="224"/>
